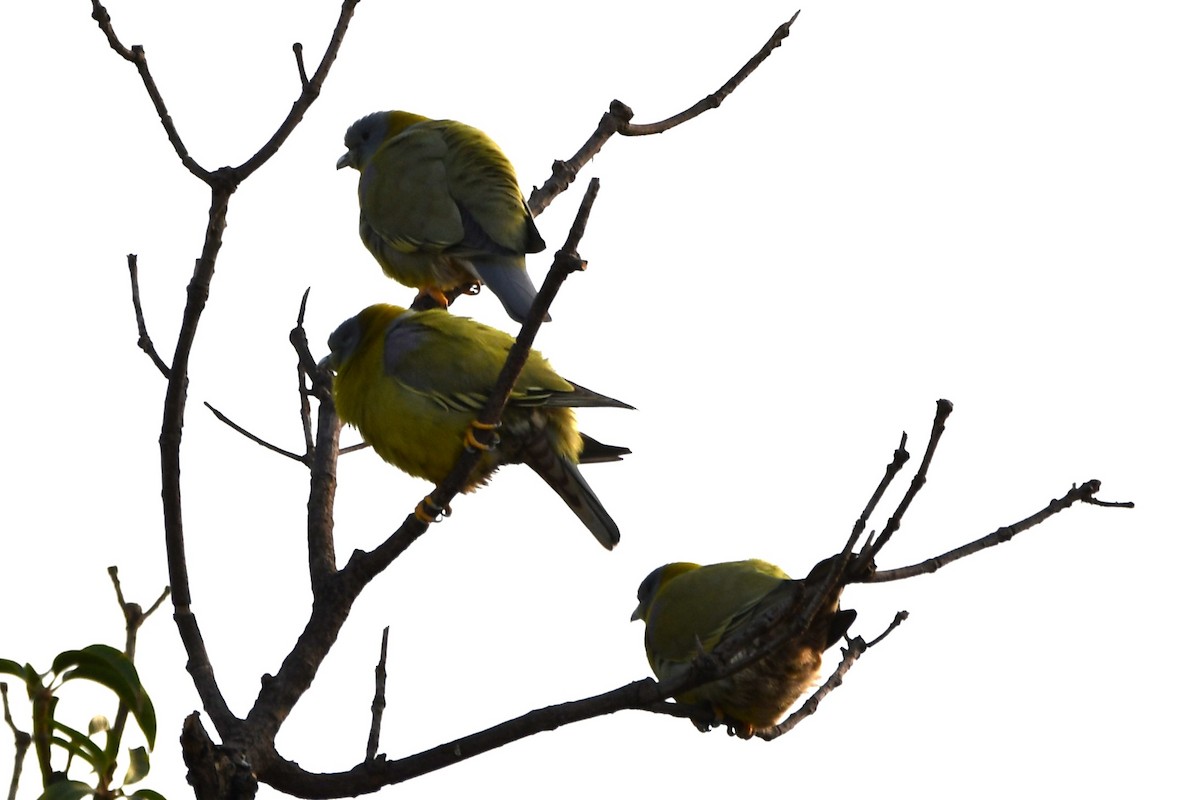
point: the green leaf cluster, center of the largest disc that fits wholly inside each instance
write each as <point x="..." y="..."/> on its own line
<point x="112" y="669"/>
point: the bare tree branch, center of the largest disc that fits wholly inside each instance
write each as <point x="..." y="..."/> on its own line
<point x="1084" y="493"/>
<point x="618" y="120"/>
<point x="257" y="440"/>
<point x="305" y="368"/>
<point x="249" y="751"/>
<point x="137" y="56"/>
<point x="850" y="654"/>
<point x="866" y="559"/>
<point x="222" y="182"/>
<point x="144" y="341"/>
<point x="134" y="618"/>
<point x="716" y="98"/>
<point x="379" y="702"/>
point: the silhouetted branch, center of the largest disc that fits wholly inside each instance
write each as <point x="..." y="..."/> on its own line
<point x="850" y="655"/>
<point x="618" y="120"/>
<point x="134" y="617"/>
<point x="257" y="440"/>
<point x="716" y="98"/>
<point x="144" y="340"/>
<point x="222" y="183"/>
<point x="137" y="56"/>
<point x="306" y="368"/>
<point x="379" y="702"/>
<point x="866" y="558"/>
<point x="899" y="459"/>
<point x="1083" y="493"/>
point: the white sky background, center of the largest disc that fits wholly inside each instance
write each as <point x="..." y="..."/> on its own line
<point x="992" y="203"/>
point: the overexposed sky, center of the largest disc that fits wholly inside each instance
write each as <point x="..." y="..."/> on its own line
<point x="992" y="203"/>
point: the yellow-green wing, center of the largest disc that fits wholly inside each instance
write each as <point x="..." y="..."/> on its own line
<point x="404" y="193"/>
<point x="706" y="603"/>
<point x="457" y="360"/>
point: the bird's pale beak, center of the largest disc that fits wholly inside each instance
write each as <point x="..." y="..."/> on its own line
<point x="345" y="160"/>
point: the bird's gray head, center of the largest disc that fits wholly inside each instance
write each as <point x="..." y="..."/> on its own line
<point x="646" y="592"/>
<point x="363" y="138"/>
<point x="343" y="342"/>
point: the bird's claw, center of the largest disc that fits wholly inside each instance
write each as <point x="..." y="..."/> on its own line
<point x="429" y="512"/>
<point x="473" y="443"/>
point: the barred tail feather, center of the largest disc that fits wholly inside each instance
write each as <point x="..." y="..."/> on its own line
<point x="564" y="478"/>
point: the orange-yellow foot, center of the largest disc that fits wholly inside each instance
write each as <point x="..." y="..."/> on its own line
<point x="428" y="512"/>
<point x="430" y="298"/>
<point x="473" y="443"/>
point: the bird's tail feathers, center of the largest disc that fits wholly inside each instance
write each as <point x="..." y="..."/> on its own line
<point x="509" y="280"/>
<point x="595" y="452"/>
<point x="839" y="625"/>
<point x="564" y="478"/>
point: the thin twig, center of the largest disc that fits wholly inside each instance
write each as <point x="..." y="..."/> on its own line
<point x="716" y="98"/>
<point x="1078" y="494"/>
<point x="850" y="654"/>
<point x="379" y="702"/>
<point x="1092" y="501"/>
<point x="306" y="368"/>
<point x="144" y="340"/>
<point x="257" y="440"/>
<point x="298" y="49"/>
<point x="618" y="120"/>
<point x="867" y="556"/>
<point x="134" y="618"/>
<point x="900" y="617"/>
<point x="899" y="459"/>
<point x="137" y="56"/>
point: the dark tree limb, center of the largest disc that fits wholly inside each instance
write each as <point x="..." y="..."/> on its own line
<point x="618" y="120"/>
<point x="222" y="183"/>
